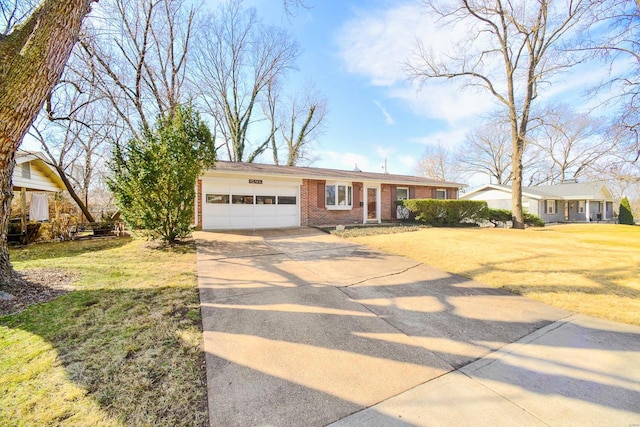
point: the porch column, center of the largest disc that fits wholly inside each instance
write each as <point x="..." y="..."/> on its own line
<point x="604" y="210"/>
<point x="587" y="211"/>
<point x="23" y="218"/>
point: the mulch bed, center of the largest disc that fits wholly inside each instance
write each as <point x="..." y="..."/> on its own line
<point x="33" y="286"/>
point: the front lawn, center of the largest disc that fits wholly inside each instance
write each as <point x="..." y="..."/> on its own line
<point x="122" y="347"/>
<point x="592" y="269"/>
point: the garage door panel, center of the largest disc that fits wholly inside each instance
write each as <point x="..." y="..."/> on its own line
<point x="265" y="212"/>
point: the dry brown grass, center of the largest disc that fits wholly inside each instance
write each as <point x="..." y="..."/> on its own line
<point x="592" y="269"/>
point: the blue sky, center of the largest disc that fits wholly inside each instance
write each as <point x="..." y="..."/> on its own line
<point x="354" y="51"/>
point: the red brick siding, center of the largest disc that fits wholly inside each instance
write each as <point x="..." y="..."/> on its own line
<point x="312" y="196"/>
<point x="387" y="198"/>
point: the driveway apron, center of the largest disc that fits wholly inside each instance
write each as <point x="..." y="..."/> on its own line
<point x="303" y="328"/>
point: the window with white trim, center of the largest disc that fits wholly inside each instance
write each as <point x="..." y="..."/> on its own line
<point x="581" y="206"/>
<point x="441" y="194"/>
<point x="402" y="193"/>
<point x="551" y="206"/>
<point x="338" y="196"/>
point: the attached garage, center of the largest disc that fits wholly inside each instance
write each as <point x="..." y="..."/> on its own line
<point x="235" y="195"/>
<point x="231" y="203"/>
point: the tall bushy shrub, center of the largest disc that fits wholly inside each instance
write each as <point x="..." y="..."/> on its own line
<point x="447" y="212"/>
<point x="154" y="178"/>
<point x="625" y="216"/>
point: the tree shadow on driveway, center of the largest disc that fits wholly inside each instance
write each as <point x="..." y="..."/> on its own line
<point x="290" y="343"/>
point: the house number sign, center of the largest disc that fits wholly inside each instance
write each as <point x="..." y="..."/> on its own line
<point x="255" y="181"/>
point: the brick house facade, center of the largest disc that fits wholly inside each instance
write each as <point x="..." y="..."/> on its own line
<point x="248" y="195"/>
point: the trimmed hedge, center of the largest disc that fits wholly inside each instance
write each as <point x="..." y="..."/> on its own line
<point x="496" y="216"/>
<point x="532" y="220"/>
<point x="447" y="212"/>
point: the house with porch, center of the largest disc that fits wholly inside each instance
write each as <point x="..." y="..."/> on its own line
<point x="566" y="202"/>
<point x="33" y="178"/>
<point x="235" y="195"/>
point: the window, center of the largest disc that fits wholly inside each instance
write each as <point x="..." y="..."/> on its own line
<point x="581" y="206"/>
<point x="218" y="198"/>
<point x="441" y="194"/>
<point x="26" y="170"/>
<point x="265" y="200"/>
<point x="338" y="196"/>
<point x="242" y="200"/>
<point x="402" y="193"/>
<point x="551" y="206"/>
<point x="286" y="200"/>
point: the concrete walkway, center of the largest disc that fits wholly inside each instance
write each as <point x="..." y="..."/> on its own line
<point x="303" y="328"/>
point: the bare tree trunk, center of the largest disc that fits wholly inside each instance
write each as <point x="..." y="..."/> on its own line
<point x="73" y="194"/>
<point x="32" y="59"/>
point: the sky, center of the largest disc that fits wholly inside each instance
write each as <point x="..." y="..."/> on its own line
<point x="355" y="52"/>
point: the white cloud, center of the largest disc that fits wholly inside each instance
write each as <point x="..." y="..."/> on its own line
<point x="448" y="138"/>
<point x="344" y="161"/>
<point x="377" y="44"/>
<point x="396" y="163"/>
<point x="407" y="163"/>
<point x="387" y="117"/>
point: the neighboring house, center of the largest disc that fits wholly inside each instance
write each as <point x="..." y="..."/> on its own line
<point x="237" y="195"/>
<point x="567" y="202"/>
<point x="34" y="175"/>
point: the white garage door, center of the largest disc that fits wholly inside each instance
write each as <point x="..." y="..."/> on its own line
<point x="234" y="206"/>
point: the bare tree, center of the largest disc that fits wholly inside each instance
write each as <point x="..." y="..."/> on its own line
<point x="511" y="47"/>
<point x="438" y="163"/>
<point x="619" y="42"/>
<point x="295" y="122"/>
<point x="487" y="150"/>
<point x="140" y="56"/>
<point x="32" y="58"/>
<point x="13" y="12"/>
<point x="571" y="143"/>
<point x="237" y="58"/>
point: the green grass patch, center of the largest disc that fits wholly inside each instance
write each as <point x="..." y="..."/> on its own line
<point x="123" y="348"/>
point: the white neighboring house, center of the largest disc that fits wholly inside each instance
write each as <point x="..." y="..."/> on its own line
<point x="34" y="175"/>
<point x="566" y="202"/>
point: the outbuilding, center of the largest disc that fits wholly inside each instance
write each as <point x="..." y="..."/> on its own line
<point x="236" y="195"/>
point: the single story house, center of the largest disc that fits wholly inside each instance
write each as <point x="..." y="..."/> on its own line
<point x="566" y="202"/>
<point x="235" y="195"/>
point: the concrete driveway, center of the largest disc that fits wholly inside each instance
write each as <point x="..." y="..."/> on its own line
<point x="305" y="329"/>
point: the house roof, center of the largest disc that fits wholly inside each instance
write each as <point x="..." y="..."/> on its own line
<point x="51" y="182"/>
<point x="327" y="174"/>
<point x="565" y="191"/>
<point x="530" y="192"/>
<point x="578" y="190"/>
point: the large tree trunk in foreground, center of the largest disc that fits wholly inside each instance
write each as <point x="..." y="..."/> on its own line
<point x="32" y="59"/>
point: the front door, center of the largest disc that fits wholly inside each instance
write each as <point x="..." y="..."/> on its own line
<point x="372" y="204"/>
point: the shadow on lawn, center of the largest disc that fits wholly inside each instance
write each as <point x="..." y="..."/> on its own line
<point x="604" y="277"/>
<point x="72" y="248"/>
<point x="135" y="352"/>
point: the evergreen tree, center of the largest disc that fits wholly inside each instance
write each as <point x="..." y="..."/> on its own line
<point x="625" y="216"/>
<point x="155" y="177"/>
